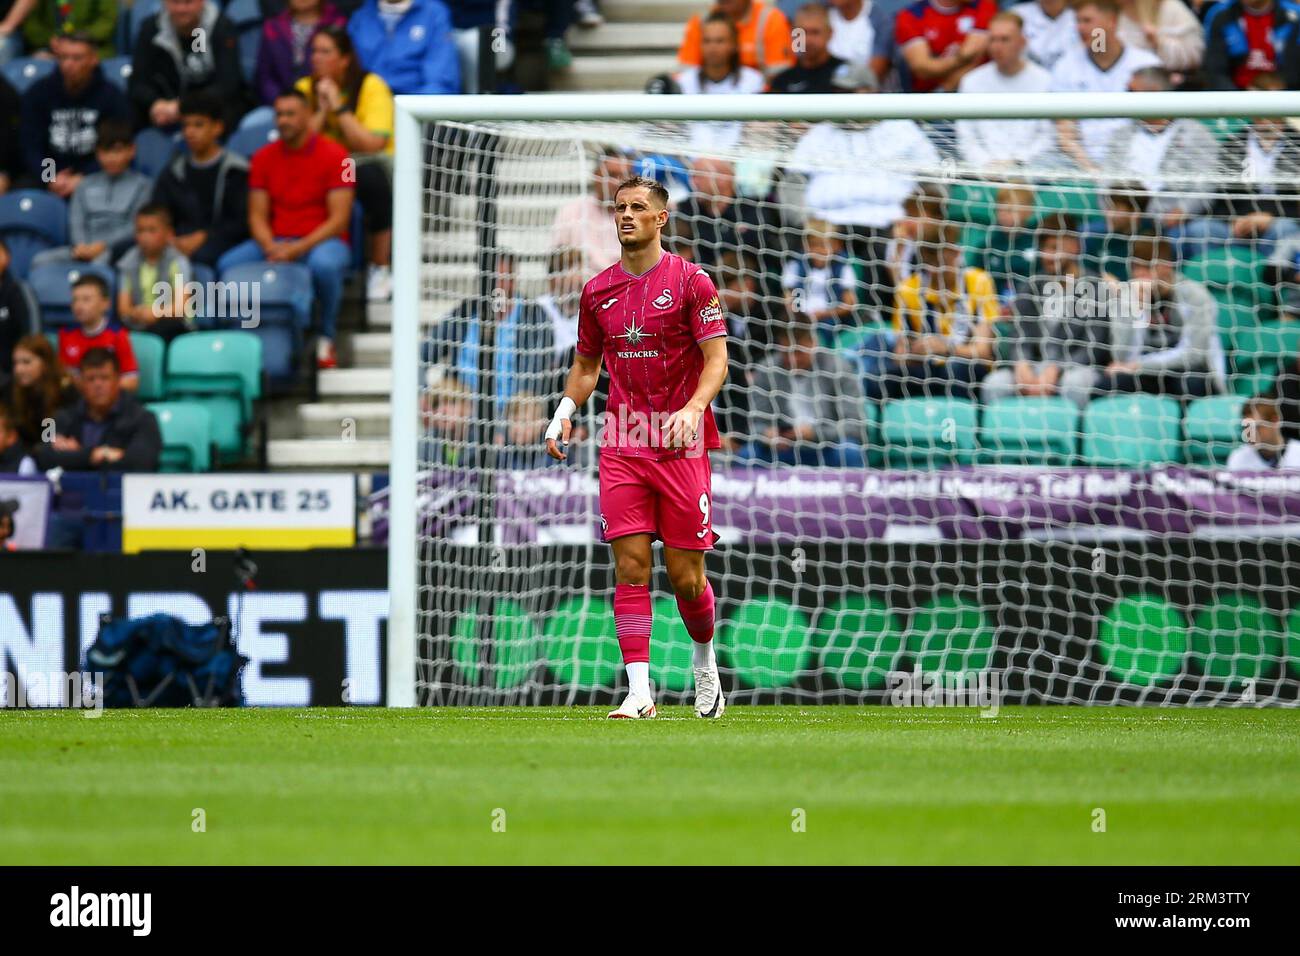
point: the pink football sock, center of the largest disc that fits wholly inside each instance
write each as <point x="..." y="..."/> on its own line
<point x="697" y="615"/>
<point x="632" y="617"/>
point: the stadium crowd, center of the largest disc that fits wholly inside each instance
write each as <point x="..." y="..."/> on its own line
<point x="190" y="138"/>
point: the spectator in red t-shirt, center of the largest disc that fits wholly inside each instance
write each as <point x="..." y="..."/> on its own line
<point x="300" y="191"/>
<point x="90" y="302"/>
<point x="942" y="42"/>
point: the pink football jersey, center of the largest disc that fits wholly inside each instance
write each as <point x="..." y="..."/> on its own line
<point x="648" y="329"/>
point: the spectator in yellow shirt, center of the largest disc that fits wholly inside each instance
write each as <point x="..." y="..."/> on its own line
<point x="354" y="108"/>
<point x="944" y="315"/>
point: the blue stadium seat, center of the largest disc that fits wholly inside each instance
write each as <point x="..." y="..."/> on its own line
<point x="31" y="220"/>
<point x="117" y="70"/>
<point x="284" y="312"/>
<point x="33" y="307"/>
<point x="154" y="149"/>
<point x="26" y="70"/>
<point x="1132" y="431"/>
<point x="250" y="137"/>
<point x="246" y="15"/>
<point x="52" y="285"/>
<point x="141" y="10"/>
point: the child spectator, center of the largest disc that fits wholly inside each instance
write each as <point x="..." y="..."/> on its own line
<point x="354" y="108"/>
<point x="206" y="191"/>
<point x="1008" y="252"/>
<point x="820" y="284"/>
<point x="104" y="204"/>
<point x="944" y="315"/>
<point x="1263" y="446"/>
<point x="90" y="307"/>
<point x="107" y="428"/>
<point x="152" y="277"/>
<point x="40" y="388"/>
<point x="285" y="54"/>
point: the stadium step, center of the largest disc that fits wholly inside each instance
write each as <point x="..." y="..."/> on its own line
<point x="619" y="37"/>
<point x="599" y="74"/>
<point x="371" y="349"/>
<point x="327" y="454"/>
<point x="369" y="420"/>
<point x="676" y="12"/>
<point x="338" y="382"/>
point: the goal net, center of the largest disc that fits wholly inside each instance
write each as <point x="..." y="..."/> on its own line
<point x="1011" y="404"/>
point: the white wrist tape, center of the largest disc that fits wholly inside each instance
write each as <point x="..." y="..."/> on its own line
<point x="562" y="414"/>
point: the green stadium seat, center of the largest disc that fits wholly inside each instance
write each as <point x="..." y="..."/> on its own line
<point x="1079" y="200"/>
<point x="929" y="432"/>
<point x="1131" y="431"/>
<point x="1223" y="127"/>
<point x="1212" y="428"/>
<point x="186" y="435"/>
<point x="223" y="372"/>
<point x="151" y="356"/>
<point x="1231" y="273"/>
<point x="1029" y="431"/>
<point x="975" y="204"/>
<point x="1263" y="346"/>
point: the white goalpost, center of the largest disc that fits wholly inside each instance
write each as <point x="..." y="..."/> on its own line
<point x="1074" y="544"/>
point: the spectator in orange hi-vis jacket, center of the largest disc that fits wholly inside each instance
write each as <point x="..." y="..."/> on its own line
<point x="763" y="30"/>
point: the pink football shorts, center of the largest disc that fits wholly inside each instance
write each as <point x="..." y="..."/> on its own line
<point x="670" y="499"/>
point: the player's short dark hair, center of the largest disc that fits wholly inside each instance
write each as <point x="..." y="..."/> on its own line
<point x="92" y="279"/>
<point x="99" y="358"/>
<point x="657" y="191"/>
<point x="113" y="132"/>
<point x="156" y="210"/>
<point x="202" y="103"/>
<point x="295" y="93"/>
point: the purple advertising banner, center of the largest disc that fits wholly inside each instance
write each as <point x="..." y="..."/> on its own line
<point x="974" y="503"/>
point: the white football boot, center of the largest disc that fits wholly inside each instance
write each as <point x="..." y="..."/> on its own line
<point x="634" y="708"/>
<point x="709" y="702"/>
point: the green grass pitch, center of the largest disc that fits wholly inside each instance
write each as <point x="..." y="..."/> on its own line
<point x="876" y="785"/>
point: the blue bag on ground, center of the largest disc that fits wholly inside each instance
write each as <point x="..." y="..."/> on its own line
<point x="160" y="661"/>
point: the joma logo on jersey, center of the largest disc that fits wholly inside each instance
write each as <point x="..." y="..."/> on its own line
<point x="665" y="300"/>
